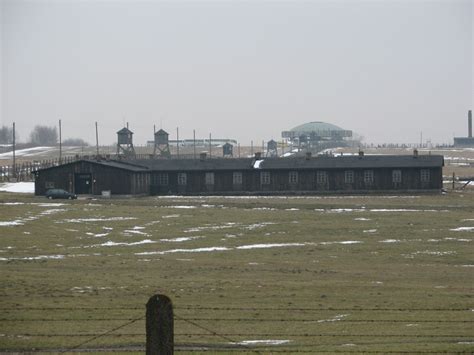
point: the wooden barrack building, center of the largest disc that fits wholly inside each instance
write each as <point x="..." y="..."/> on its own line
<point x="219" y="176"/>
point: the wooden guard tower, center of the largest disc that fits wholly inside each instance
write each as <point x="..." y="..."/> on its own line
<point x="125" y="142"/>
<point x="162" y="146"/>
<point x="227" y="150"/>
<point x="272" y="148"/>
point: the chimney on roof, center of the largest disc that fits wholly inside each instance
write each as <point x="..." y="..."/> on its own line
<point x="469" y="123"/>
<point x="361" y="154"/>
<point x="258" y="155"/>
<point x="202" y="156"/>
<point x="308" y="155"/>
<point x="415" y="153"/>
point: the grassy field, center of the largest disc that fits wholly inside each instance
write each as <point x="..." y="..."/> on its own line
<point x="268" y="275"/>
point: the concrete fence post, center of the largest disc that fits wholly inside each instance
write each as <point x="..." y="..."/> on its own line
<point x="159" y="326"/>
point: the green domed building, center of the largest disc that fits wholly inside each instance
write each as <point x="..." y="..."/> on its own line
<point x="317" y="136"/>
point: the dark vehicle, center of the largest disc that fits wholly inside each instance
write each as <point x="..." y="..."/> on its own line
<point x="59" y="193"/>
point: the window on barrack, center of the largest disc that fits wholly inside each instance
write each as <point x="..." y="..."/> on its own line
<point x="237" y="178"/>
<point x="293" y="177"/>
<point x="182" y="179"/>
<point x="265" y="178"/>
<point x="162" y="179"/>
<point x="349" y="176"/>
<point x="209" y="178"/>
<point x="424" y="175"/>
<point x="368" y="176"/>
<point x="321" y="177"/>
<point x="396" y="176"/>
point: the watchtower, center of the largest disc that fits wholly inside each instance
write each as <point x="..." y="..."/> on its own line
<point x="227" y="150"/>
<point x="162" y="146"/>
<point x="272" y="148"/>
<point x="125" y="142"/>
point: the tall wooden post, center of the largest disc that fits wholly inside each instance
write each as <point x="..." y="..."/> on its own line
<point x="159" y="326"/>
<point x="194" y="143"/>
<point x="60" y="144"/>
<point x="210" y="145"/>
<point x="453" y="180"/>
<point x="97" y="138"/>
<point x="14" y="156"/>
<point x="177" y="141"/>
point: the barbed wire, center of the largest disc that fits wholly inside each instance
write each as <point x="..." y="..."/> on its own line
<point x="214" y="333"/>
<point x="243" y="320"/>
<point x="293" y="335"/>
<point x="242" y="309"/>
<point x="106" y="333"/>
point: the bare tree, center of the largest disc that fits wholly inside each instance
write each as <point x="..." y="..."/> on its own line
<point x="43" y="135"/>
<point x="6" y="135"/>
<point x="78" y="142"/>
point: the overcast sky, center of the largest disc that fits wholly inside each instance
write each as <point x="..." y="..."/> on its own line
<point x="386" y="69"/>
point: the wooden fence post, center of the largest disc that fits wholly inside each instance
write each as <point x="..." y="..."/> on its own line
<point x="159" y="326"/>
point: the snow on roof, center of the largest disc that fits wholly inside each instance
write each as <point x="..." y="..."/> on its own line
<point x="257" y="163"/>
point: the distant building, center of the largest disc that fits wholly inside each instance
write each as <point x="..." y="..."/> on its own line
<point x="317" y="136"/>
<point x="220" y="176"/>
<point x="469" y="140"/>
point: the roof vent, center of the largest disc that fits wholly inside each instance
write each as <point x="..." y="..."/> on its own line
<point x="258" y="155"/>
<point x="361" y="153"/>
<point x="415" y="153"/>
<point x="202" y="156"/>
<point x="308" y="155"/>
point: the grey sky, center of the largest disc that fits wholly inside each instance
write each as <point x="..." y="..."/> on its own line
<point x="244" y="70"/>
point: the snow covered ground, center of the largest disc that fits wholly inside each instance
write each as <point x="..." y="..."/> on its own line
<point x="20" y="187"/>
<point x="27" y="152"/>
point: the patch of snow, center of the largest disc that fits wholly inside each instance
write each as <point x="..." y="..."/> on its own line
<point x="180" y="239"/>
<point x="370" y="231"/>
<point x="463" y="229"/>
<point x="459" y="239"/>
<point x="50" y="204"/>
<point x="113" y="244"/>
<point x="362" y="219"/>
<point x="52" y="211"/>
<point x="343" y="242"/>
<point x="133" y="231"/>
<point x="334" y="319"/>
<point x="390" y="241"/>
<point x="258" y="225"/>
<point x="40" y="257"/>
<point x="263" y="342"/>
<point x="16" y="222"/>
<point x="197" y="250"/>
<point x="292" y="209"/>
<point x="171" y="216"/>
<point x="180" y="207"/>
<point x="257" y="164"/>
<point x="276" y="245"/>
<point x="210" y="227"/>
<point x="103" y="219"/>
<point x="18" y="187"/>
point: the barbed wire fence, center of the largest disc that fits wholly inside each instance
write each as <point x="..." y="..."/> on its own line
<point x="199" y="332"/>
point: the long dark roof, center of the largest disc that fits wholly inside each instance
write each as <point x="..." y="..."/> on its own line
<point x="110" y="163"/>
<point x="319" y="162"/>
<point x="297" y="163"/>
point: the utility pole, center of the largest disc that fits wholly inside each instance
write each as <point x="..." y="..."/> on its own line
<point x="177" y="141"/>
<point x="194" y="142"/>
<point x="14" y="158"/>
<point x="210" y="145"/>
<point x="97" y="138"/>
<point x="60" y="144"/>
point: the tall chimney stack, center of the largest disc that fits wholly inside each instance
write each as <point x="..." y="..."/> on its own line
<point x="469" y="124"/>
